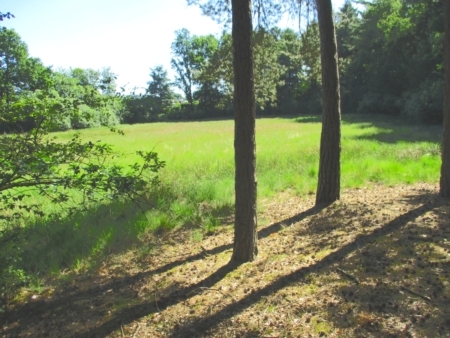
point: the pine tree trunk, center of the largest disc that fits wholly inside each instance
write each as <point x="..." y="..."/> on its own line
<point x="245" y="240"/>
<point x="328" y="189"/>
<point x="445" y="168"/>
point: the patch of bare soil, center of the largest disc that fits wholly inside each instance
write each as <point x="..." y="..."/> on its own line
<point x="375" y="264"/>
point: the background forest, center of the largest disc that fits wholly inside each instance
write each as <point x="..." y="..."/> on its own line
<point x="390" y="59"/>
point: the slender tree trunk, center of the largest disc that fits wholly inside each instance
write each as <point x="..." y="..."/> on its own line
<point x="245" y="240"/>
<point x="445" y="168"/>
<point x="328" y="189"/>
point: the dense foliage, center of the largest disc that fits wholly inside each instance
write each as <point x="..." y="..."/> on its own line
<point x="85" y="98"/>
<point x="393" y="57"/>
<point x="390" y="59"/>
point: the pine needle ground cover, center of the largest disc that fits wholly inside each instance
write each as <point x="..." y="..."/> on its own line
<point x="374" y="264"/>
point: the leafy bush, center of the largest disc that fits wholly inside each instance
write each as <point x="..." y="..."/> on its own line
<point x="377" y="103"/>
<point x="73" y="175"/>
<point x="425" y="104"/>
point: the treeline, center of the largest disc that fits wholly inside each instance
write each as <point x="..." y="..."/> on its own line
<point x="390" y="60"/>
<point x="83" y="97"/>
<point x="287" y="77"/>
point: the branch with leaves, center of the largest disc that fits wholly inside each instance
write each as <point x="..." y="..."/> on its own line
<point x="7" y="15"/>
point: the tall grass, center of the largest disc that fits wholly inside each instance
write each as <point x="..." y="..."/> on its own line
<point x="200" y="159"/>
<point x="198" y="180"/>
<point x="200" y="155"/>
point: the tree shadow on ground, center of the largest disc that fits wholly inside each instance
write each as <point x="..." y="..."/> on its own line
<point x="392" y="129"/>
<point x="47" y="248"/>
<point x="93" y="297"/>
<point x="368" y="259"/>
<point x="336" y="258"/>
<point x="409" y="134"/>
<point x="403" y="282"/>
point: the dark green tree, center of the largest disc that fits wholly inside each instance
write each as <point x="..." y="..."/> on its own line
<point x="289" y="57"/>
<point x="192" y="57"/>
<point x="208" y="88"/>
<point x="268" y="71"/>
<point x="182" y="63"/>
<point x="159" y="88"/>
<point x="347" y="31"/>
<point x="216" y="78"/>
<point x="310" y="93"/>
<point x="18" y="71"/>
<point x="94" y="95"/>
<point x="394" y="63"/>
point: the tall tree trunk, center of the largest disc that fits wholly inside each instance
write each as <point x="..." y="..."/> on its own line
<point x="245" y="240"/>
<point x="445" y="168"/>
<point x="328" y="189"/>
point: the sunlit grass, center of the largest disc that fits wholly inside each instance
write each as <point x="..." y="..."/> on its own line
<point x="200" y="159"/>
<point x="200" y="155"/>
<point x="198" y="180"/>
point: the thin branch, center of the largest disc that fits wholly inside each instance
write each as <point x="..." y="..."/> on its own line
<point x="349" y="276"/>
<point x="27" y="184"/>
<point x="428" y="299"/>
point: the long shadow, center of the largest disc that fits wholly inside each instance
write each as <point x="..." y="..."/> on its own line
<point x="410" y="135"/>
<point x="309" y="119"/>
<point x="394" y="129"/>
<point x="263" y="233"/>
<point x="415" y="257"/>
<point x="118" y="285"/>
<point x="130" y="314"/>
<point x="209" y="322"/>
<point x="124" y="317"/>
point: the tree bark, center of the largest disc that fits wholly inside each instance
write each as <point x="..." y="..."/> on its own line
<point x="445" y="168"/>
<point x="328" y="189"/>
<point x="245" y="239"/>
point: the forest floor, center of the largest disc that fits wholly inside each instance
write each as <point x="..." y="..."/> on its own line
<point x="374" y="264"/>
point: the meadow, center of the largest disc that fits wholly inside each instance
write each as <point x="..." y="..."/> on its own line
<point x="199" y="155"/>
<point x="197" y="184"/>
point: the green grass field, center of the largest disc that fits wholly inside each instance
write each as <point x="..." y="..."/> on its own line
<point x="199" y="155"/>
<point x="198" y="180"/>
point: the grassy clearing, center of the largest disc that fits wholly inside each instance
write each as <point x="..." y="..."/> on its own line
<point x="198" y="187"/>
<point x="200" y="160"/>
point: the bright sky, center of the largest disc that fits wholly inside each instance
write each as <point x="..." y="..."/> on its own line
<point x="129" y="36"/>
